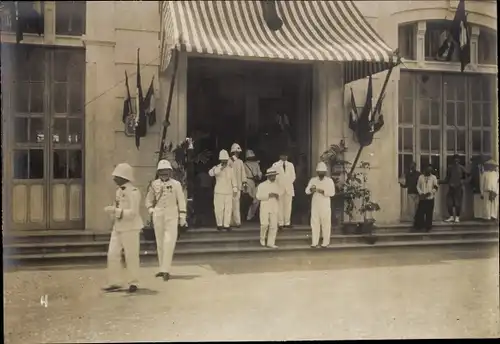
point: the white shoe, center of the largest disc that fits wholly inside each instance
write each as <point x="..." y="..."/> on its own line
<point x="263" y="243"/>
<point x="457" y="219"/>
<point x="272" y="246"/>
<point x="450" y="219"/>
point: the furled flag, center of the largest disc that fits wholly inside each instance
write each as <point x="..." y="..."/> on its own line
<point x="141" y="120"/>
<point x="149" y="103"/>
<point x="127" y="103"/>
<point x="364" y="127"/>
<point x="353" y="115"/>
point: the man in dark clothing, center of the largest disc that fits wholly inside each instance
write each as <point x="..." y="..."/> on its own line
<point x="455" y="178"/>
<point x="476" y="172"/>
<point x="410" y="183"/>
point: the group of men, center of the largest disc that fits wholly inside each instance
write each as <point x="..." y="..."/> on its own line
<point x="166" y="204"/>
<point x="422" y="188"/>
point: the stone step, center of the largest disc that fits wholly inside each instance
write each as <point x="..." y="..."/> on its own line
<point x="218" y="240"/>
<point x="67" y="257"/>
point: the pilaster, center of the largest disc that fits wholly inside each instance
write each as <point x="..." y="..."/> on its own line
<point x="420" y="51"/>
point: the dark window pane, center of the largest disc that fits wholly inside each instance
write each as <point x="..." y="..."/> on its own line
<point x="76" y="99"/>
<point x="36" y="164"/>
<point x="460" y="108"/>
<point x="60" y="133"/>
<point x="424" y="112"/>
<point x="35" y="64"/>
<point x="450" y="140"/>
<point x="22" y="63"/>
<point x="406" y="85"/>
<point x="408" y="139"/>
<point x="60" y="97"/>
<point x="476" y="141"/>
<point x="75" y="164"/>
<point x="20" y="164"/>
<point x="60" y="164"/>
<point x="424" y="140"/>
<point x="404" y="162"/>
<point x="450" y="89"/>
<point x="21" y="96"/>
<point x="486" y="142"/>
<point x="430" y="86"/>
<point x="77" y="66"/>
<point x="450" y="114"/>
<point x="476" y="114"/>
<point x="21" y="129"/>
<point x="487" y="114"/>
<point x="37" y="131"/>
<point x="61" y="63"/>
<point x="36" y="97"/>
<point x="400" y="166"/>
<point x="475" y="87"/>
<point x="436" y="165"/>
<point x="435" y="139"/>
<point x="408" y="111"/>
<point x="70" y="18"/>
<point x="461" y="141"/>
<point x="486" y="88"/>
<point x="75" y="131"/>
<point x="435" y="113"/>
<point x="400" y="139"/>
<point x="400" y="111"/>
<point x="424" y="162"/>
<point x="460" y="86"/>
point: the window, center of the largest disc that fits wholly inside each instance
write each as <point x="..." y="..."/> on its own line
<point x="70" y="18"/>
<point x="487" y="47"/>
<point x="435" y="35"/>
<point x="31" y="12"/>
<point x="407" y="41"/>
<point x="442" y="114"/>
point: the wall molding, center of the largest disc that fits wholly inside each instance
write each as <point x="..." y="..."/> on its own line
<point x="436" y="66"/>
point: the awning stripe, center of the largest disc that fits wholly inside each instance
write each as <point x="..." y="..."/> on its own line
<point x="311" y="31"/>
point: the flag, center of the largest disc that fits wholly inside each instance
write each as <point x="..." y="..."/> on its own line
<point x="364" y="129"/>
<point x="464" y="45"/>
<point x="447" y="48"/>
<point x="353" y="116"/>
<point x="149" y="104"/>
<point x="28" y="16"/>
<point x="141" y="118"/>
<point x="18" y="22"/>
<point x="127" y="103"/>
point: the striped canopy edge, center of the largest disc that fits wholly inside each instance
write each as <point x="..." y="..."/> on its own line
<point x="312" y="31"/>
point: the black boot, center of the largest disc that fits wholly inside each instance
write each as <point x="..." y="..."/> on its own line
<point x="112" y="288"/>
<point x="219" y="228"/>
<point x="166" y="276"/>
<point x="159" y="274"/>
<point x="132" y="288"/>
<point x="229" y="229"/>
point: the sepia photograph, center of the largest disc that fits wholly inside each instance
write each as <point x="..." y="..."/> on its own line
<point x="249" y="170"/>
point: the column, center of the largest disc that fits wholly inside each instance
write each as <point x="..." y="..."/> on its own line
<point x="421" y="28"/>
<point x="49" y="29"/>
<point x="474" y="48"/>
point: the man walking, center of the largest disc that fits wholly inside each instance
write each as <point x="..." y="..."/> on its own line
<point x="286" y="178"/>
<point x="490" y="190"/>
<point x="127" y="224"/>
<point x="225" y="190"/>
<point x="410" y="183"/>
<point x="166" y="203"/>
<point x="241" y="181"/>
<point x="476" y="174"/>
<point x="268" y="193"/>
<point x="322" y="188"/>
<point x="254" y="176"/>
<point x="427" y="186"/>
<point x="455" y="178"/>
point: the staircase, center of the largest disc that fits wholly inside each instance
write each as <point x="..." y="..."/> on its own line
<point x="66" y="246"/>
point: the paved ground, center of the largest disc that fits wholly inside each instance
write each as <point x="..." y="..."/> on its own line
<point x="410" y="293"/>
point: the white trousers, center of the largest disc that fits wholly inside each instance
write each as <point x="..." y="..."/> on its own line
<point x="321" y="220"/>
<point x="490" y="207"/>
<point x="479" y="207"/>
<point x="130" y="243"/>
<point x="285" y="209"/>
<point x="236" y="214"/>
<point x="253" y="209"/>
<point x="268" y="226"/>
<point x="166" y="229"/>
<point x="223" y="206"/>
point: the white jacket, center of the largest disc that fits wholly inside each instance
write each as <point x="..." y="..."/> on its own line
<point x="126" y="215"/>
<point x="327" y="185"/>
<point x="166" y="197"/>
<point x="490" y="181"/>
<point x="239" y="171"/>
<point x="225" y="181"/>
<point x="268" y="204"/>
<point x="286" y="177"/>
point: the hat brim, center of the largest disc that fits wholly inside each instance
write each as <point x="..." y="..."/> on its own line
<point x="271" y="174"/>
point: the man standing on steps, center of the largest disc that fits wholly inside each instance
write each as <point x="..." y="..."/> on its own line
<point x="225" y="190"/>
<point x="410" y="183"/>
<point x="166" y="203"/>
<point x="127" y="224"/>
<point x="455" y="179"/>
<point x="489" y="190"/>
<point x="427" y="186"/>
<point x="323" y="189"/>
<point x="285" y="179"/>
<point x="254" y="176"/>
<point x="268" y="193"/>
<point x="241" y="183"/>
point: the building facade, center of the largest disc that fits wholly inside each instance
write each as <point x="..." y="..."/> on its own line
<point x="63" y="132"/>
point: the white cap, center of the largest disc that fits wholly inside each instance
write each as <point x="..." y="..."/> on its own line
<point x="223" y="155"/>
<point x="321" y="167"/>
<point x="235" y="148"/>
<point x="124" y="171"/>
<point x="164" y="165"/>
<point x="250" y="154"/>
<point x="271" y="171"/>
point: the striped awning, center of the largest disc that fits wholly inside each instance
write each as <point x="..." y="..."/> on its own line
<point x="311" y="31"/>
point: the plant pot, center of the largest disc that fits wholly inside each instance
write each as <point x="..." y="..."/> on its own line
<point x="367" y="228"/>
<point x="349" y="228"/>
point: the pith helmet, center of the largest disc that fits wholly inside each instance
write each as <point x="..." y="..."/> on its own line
<point x="235" y="148"/>
<point x="124" y="171"/>
<point x="164" y="165"/>
<point x="223" y="155"/>
<point x="250" y="154"/>
<point x="321" y="167"/>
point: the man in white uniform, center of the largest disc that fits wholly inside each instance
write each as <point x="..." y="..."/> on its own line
<point x="489" y="190"/>
<point x="268" y="193"/>
<point x="127" y="224"/>
<point x="166" y="203"/>
<point x="286" y="178"/>
<point x="322" y="188"/>
<point x="225" y="189"/>
<point x="241" y="182"/>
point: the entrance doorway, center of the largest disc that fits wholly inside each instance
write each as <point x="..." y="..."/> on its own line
<point x="43" y="93"/>
<point x="262" y="106"/>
